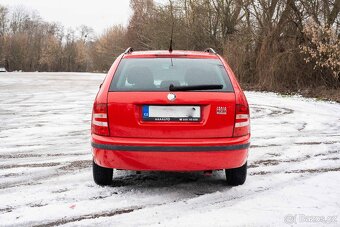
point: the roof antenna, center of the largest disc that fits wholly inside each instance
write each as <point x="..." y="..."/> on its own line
<point x="172" y="32"/>
<point x="173" y="23"/>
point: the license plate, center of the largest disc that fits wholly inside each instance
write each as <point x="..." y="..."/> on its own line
<point x="171" y="113"/>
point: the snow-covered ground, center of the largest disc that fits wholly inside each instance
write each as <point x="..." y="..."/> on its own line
<point x="46" y="178"/>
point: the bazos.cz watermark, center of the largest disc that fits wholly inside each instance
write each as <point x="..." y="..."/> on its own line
<point x="303" y="218"/>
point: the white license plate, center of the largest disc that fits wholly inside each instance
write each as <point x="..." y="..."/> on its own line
<point x="171" y="113"/>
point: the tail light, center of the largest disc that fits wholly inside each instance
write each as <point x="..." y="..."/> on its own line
<point x="100" y="124"/>
<point x="242" y="120"/>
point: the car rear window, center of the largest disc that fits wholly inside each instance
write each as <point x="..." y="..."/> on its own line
<point x="157" y="74"/>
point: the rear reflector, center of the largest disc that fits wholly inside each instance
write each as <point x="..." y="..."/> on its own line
<point x="99" y="120"/>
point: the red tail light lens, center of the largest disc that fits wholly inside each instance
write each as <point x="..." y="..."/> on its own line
<point x="100" y="124"/>
<point x="242" y="123"/>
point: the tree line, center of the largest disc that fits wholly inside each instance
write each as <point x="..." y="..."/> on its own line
<point x="273" y="44"/>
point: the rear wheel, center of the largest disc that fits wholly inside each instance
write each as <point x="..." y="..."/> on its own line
<point x="236" y="176"/>
<point x="101" y="175"/>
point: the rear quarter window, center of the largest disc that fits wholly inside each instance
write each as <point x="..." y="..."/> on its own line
<point x="157" y="74"/>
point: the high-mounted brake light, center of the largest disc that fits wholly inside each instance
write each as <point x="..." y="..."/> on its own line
<point x="100" y="124"/>
<point x="242" y="127"/>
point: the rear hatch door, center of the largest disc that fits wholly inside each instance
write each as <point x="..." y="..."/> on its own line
<point x="189" y="115"/>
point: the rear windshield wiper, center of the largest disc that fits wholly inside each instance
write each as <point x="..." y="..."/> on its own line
<point x="196" y="87"/>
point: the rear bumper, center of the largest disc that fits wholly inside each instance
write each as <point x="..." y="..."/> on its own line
<point x="170" y="154"/>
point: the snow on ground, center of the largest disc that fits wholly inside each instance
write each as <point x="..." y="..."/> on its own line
<point x="46" y="178"/>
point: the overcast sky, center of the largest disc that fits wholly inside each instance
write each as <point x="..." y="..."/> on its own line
<point x="98" y="14"/>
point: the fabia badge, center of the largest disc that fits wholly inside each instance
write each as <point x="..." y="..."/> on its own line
<point x="171" y="97"/>
<point x="221" y="110"/>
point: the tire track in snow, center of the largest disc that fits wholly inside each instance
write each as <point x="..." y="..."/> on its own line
<point x="64" y="169"/>
<point x="284" y="133"/>
<point x="212" y="201"/>
<point x="88" y="216"/>
<point x="261" y="111"/>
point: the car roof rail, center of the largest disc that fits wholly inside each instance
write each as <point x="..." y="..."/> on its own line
<point x="128" y="50"/>
<point x="210" y="50"/>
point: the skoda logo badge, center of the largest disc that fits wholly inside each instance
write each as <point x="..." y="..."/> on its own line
<point x="171" y="97"/>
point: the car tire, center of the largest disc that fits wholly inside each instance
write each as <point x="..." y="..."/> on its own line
<point x="102" y="176"/>
<point x="236" y="176"/>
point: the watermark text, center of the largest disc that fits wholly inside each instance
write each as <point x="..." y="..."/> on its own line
<point x="303" y="218"/>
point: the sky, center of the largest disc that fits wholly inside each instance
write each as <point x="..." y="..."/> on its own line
<point x="98" y="14"/>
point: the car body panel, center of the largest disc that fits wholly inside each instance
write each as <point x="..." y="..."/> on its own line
<point x="125" y="115"/>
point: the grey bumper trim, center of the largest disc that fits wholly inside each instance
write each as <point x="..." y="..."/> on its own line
<point x="170" y="148"/>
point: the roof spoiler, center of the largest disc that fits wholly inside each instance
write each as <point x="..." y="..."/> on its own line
<point x="210" y="50"/>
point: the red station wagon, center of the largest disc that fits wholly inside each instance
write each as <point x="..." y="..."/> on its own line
<point x="170" y="111"/>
